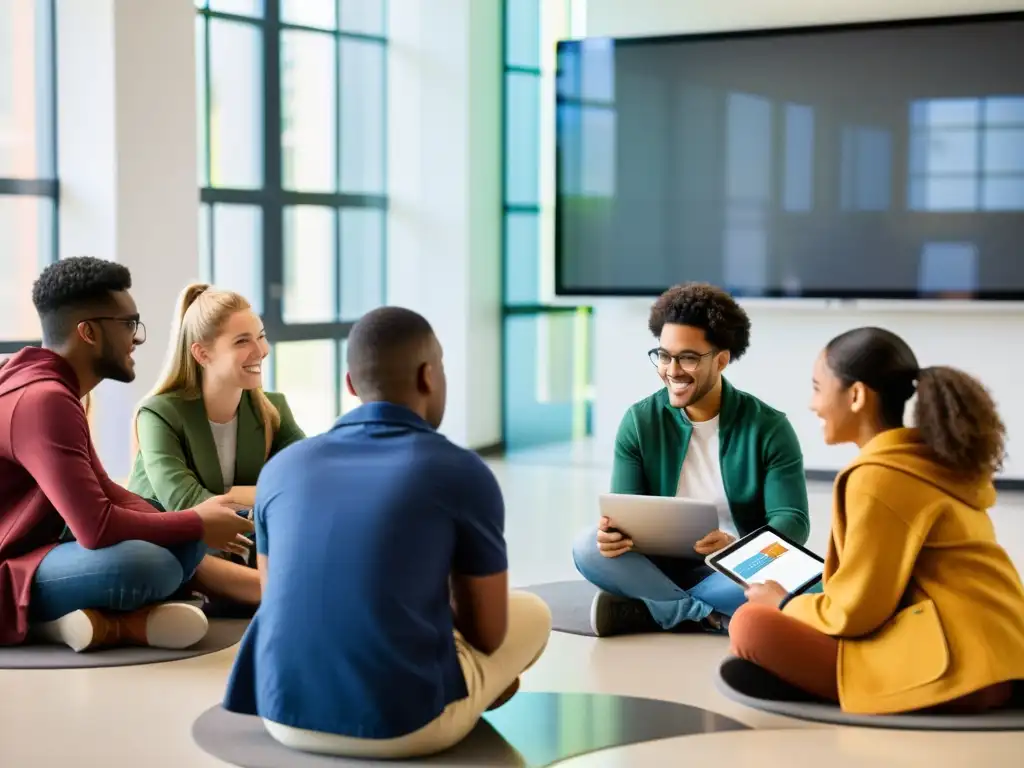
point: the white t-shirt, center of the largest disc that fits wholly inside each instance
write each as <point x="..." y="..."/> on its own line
<point x="225" y="437"/>
<point x="701" y="475"/>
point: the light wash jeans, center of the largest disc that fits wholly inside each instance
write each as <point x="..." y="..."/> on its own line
<point x="123" y="577"/>
<point x="637" y="576"/>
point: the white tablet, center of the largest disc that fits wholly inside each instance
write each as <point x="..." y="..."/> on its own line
<point x="767" y="555"/>
<point x="660" y="525"/>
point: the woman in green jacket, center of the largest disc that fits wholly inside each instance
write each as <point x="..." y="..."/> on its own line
<point x="208" y="428"/>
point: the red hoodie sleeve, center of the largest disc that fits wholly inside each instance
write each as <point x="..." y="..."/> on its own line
<point x="50" y="438"/>
<point x="121" y="495"/>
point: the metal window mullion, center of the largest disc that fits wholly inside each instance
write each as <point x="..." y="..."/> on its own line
<point x="338" y="362"/>
<point x="211" y="239"/>
<point x="211" y="236"/>
<point x="13" y="347"/>
<point x="53" y="148"/>
<point x="503" y="232"/>
<point x="982" y="127"/>
<point x="360" y="36"/>
<point x="337" y="255"/>
<point x="208" y="99"/>
<point x="384" y="171"/>
<point x="29" y="187"/>
<point x="273" y="205"/>
<point x="311" y="331"/>
<point x="235" y="18"/>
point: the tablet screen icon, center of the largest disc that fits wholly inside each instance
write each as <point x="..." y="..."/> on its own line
<point x="761" y="560"/>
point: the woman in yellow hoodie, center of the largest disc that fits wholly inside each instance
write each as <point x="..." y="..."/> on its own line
<point x="921" y="608"/>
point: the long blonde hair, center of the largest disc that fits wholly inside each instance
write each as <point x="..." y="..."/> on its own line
<point x="201" y="314"/>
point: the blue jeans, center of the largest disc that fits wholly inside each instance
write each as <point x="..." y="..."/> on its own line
<point x="123" y="577"/>
<point x="690" y="593"/>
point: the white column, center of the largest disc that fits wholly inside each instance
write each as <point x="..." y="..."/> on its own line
<point x="127" y="166"/>
<point x="444" y="186"/>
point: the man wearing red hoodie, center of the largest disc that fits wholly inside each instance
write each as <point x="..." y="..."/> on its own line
<point x="106" y="586"/>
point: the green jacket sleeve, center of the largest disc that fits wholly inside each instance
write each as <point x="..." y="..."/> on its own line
<point x="627" y="466"/>
<point x="785" y="485"/>
<point x="176" y="486"/>
<point x="289" y="432"/>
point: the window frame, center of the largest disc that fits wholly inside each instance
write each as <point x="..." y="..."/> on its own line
<point x="513" y="310"/>
<point x="273" y="198"/>
<point x="982" y="127"/>
<point x="47" y="188"/>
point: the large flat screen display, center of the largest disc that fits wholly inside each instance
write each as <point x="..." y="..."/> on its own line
<point x="858" y="161"/>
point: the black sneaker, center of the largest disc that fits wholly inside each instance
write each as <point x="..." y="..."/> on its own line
<point x="189" y="596"/>
<point x="222" y="608"/>
<point x="716" y="623"/>
<point x="613" y="615"/>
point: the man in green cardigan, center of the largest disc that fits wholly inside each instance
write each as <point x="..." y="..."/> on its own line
<point x="701" y="438"/>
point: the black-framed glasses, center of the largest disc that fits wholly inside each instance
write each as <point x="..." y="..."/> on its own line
<point x="136" y="326"/>
<point x="688" y="361"/>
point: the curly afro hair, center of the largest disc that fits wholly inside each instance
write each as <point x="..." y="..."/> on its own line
<point x="701" y="305"/>
<point x="73" y="284"/>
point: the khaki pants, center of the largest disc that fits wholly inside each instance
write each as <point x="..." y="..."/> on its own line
<point x="487" y="677"/>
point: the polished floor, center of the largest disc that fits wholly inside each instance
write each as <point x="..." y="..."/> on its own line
<point x="142" y="716"/>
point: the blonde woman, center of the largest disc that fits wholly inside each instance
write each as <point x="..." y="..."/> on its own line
<point x="208" y="428"/>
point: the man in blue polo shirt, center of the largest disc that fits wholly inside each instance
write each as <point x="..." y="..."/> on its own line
<point x="386" y="627"/>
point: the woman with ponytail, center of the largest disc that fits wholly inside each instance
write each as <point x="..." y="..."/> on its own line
<point x="920" y="608"/>
<point x="208" y="428"/>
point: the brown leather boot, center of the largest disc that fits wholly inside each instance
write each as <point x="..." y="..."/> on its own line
<point x="163" y="625"/>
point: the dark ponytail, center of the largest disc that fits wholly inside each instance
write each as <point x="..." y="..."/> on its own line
<point x="956" y="415"/>
<point x="959" y="421"/>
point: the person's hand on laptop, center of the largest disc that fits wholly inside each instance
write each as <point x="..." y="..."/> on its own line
<point x="713" y="542"/>
<point x="610" y="542"/>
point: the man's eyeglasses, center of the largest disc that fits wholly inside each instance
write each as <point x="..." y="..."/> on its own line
<point x="134" y="325"/>
<point x="688" y="361"/>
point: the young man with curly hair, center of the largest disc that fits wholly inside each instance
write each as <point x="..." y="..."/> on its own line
<point x="702" y="438"/>
<point x="108" y="584"/>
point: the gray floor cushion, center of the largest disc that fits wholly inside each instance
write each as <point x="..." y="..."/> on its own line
<point x="533" y="729"/>
<point x="750" y="685"/>
<point x="223" y="633"/>
<point x="569" y="602"/>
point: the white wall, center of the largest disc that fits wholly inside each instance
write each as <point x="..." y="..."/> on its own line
<point x="444" y="187"/>
<point x="786" y="340"/>
<point x="127" y="166"/>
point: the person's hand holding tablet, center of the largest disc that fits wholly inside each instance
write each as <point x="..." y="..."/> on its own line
<point x="769" y="566"/>
<point x="769" y="593"/>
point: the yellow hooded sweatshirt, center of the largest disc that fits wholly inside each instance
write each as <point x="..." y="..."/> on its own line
<point x="926" y="605"/>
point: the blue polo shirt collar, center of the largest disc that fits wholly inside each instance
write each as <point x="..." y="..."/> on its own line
<point x="384" y="413"/>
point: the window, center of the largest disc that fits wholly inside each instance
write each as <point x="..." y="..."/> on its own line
<point x="748" y="190"/>
<point x="967" y="154"/>
<point x="798" y="181"/>
<point x="586" y="104"/>
<point x="292" y="136"/>
<point x="546" y="347"/>
<point x="29" y="191"/>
